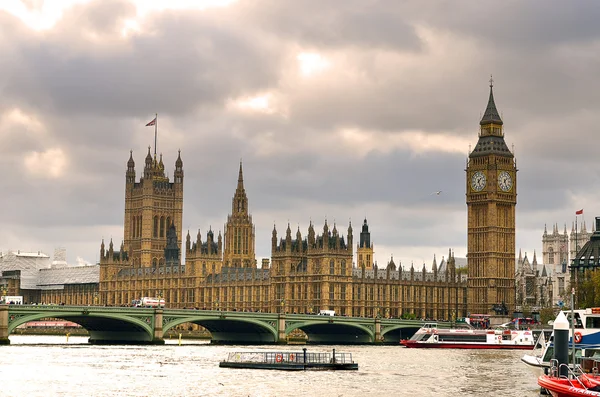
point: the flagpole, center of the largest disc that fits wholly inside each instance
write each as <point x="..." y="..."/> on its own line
<point x="575" y="268"/>
<point x="155" y="133"/>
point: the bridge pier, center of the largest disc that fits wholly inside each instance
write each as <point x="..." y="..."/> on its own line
<point x="158" y="328"/>
<point x="281" y="338"/>
<point x="4" y="325"/>
<point x="378" y="338"/>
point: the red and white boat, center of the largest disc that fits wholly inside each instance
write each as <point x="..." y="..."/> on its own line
<point x="565" y="387"/>
<point x="571" y="385"/>
<point x="430" y="336"/>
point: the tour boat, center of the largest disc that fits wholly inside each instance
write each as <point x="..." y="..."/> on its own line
<point x="587" y="336"/>
<point x="430" y="336"/>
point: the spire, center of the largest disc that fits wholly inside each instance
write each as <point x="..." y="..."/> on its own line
<point x="239" y="205"/>
<point x="130" y="163"/>
<point x="534" y="259"/>
<point x="491" y="113"/>
<point x="241" y="178"/>
<point x="545" y="230"/>
<point x="178" y="162"/>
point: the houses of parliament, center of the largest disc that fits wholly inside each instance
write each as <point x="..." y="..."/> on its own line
<point x="309" y="270"/>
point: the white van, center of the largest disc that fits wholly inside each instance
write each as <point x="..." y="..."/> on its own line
<point x="327" y="313"/>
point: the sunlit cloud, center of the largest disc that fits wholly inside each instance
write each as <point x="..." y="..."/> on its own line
<point x="417" y="142"/>
<point x="43" y="15"/>
<point x="19" y="117"/>
<point x="49" y="164"/>
<point x="312" y="63"/>
<point x="261" y="103"/>
<point x="131" y="26"/>
<point x="146" y="6"/>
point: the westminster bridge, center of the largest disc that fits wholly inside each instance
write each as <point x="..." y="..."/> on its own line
<point x="133" y="325"/>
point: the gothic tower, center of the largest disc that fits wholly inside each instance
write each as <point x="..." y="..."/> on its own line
<point x="364" y="249"/>
<point x="152" y="205"/>
<point x="239" y="231"/>
<point x="491" y="188"/>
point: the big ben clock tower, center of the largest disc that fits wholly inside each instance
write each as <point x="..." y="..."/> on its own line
<point x="491" y="201"/>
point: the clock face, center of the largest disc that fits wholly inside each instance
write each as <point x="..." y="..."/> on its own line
<point x="505" y="181"/>
<point x="478" y="181"/>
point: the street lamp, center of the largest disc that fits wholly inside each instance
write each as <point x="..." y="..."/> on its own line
<point x="282" y="305"/>
<point x="96" y="298"/>
<point x="2" y="297"/>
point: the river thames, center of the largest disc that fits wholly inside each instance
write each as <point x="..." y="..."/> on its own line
<point x="51" y="366"/>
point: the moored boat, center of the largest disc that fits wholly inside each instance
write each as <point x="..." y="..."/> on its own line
<point x="430" y="336"/>
<point x="290" y="361"/>
<point x="574" y="383"/>
<point x="586" y="342"/>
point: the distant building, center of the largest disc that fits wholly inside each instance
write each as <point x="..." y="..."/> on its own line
<point x="39" y="280"/>
<point x="533" y="286"/>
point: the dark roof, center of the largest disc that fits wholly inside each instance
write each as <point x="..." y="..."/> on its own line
<point x="491" y="113"/>
<point x="491" y="144"/>
<point x="589" y="255"/>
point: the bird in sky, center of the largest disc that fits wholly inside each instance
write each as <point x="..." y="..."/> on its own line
<point x="437" y="193"/>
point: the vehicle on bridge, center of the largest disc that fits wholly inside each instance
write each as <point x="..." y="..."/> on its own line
<point x="11" y="300"/>
<point x="148" y="302"/>
<point x="327" y="313"/>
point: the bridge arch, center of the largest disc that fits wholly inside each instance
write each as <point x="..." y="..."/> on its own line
<point x="333" y="332"/>
<point x="229" y="329"/>
<point x="392" y="334"/>
<point x="104" y="328"/>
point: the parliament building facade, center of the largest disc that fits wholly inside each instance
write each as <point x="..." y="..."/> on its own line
<point x="308" y="271"/>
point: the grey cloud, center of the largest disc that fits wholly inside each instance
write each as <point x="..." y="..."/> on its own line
<point x="95" y="97"/>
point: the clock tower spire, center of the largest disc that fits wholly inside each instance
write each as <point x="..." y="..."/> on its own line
<point x="491" y="195"/>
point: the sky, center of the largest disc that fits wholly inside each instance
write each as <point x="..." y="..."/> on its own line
<point x="340" y="111"/>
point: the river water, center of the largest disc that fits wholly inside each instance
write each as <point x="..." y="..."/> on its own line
<point x="53" y="366"/>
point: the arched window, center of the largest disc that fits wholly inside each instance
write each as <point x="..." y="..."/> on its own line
<point x="162" y="226"/>
<point x="168" y="222"/>
<point x="155" y="234"/>
<point x="154" y="262"/>
<point x="343" y="267"/>
<point x="550" y="256"/>
<point x="331" y="266"/>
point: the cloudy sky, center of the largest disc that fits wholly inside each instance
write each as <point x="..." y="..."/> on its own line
<point x="340" y="110"/>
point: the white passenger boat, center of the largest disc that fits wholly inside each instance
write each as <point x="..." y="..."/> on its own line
<point x="586" y="337"/>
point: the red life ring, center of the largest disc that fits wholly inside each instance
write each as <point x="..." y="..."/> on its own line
<point x="279" y="358"/>
<point x="292" y="357"/>
<point x="578" y="337"/>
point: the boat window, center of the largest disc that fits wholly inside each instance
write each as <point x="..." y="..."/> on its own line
<point x="592" y="322"/>
<point x="578" y="323"/>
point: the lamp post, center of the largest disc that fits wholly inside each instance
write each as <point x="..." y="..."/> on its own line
<point x="282" y="305"/>
<point x="2" y="297"/>
<point x="96" y="298"/>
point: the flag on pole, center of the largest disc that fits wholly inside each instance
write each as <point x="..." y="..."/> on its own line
<point x="580" y="212"/>
<point x="153" y="122"/>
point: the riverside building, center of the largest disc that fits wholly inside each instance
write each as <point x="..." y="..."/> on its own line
<point x="310" y="271"/>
